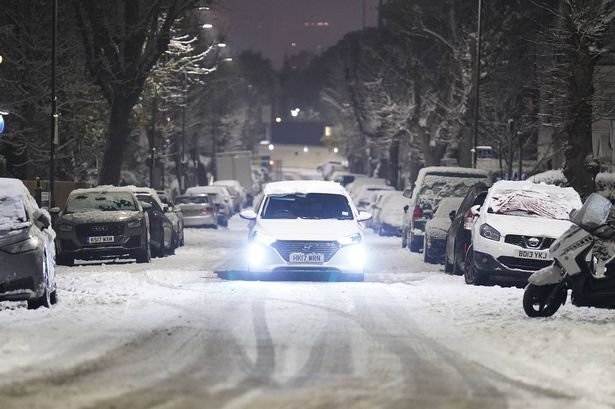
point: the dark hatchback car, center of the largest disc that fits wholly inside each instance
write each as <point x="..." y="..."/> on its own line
<point x="99" y="223"/>
<point x="459" y="236"/>
<point x="164" y="238"/>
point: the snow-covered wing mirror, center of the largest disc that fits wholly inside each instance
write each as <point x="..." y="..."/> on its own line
<point x="42" y="218"/>
<point x="407" y="193"/>
<point x="452" y="215"/>
<point x="55" y="210"/>
<point x="594" y="213"/>
<point x="248" y="215"/>
<point x="145" y="205"/>
<point x="475" y="210"/>
<point x="364" y="216"/>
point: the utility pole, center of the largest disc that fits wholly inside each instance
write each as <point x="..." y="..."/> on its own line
<point x="152" y="156"/>
<point x="520" y="137"/>
<point x="53" y="140"/>
<point x="477" y="85"/>
<point x="183" y="143"/>
<point x="511" y="149"/>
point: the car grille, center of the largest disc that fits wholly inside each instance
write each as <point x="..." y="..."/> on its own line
<point x="524" y="241"/>
<point x="286" y="247"/>
<point x="524" y="264"/>
<point x="100" y="229"/>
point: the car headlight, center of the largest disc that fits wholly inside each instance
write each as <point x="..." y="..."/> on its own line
<point x="350" y="240"/>
<point x="256" y="254"/>
<point x="262" y="238"/>
<point x="489" y="232"/>
<point x="65" y="227"/>
<point x="135" y="224"/>
<point x="357" y="256"/>
<point x="24" y="246"/>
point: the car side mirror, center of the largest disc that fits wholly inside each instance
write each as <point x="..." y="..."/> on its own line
<point x="475" y="210"/>
<point x="42" y="219"/>
<point x="55" y="210"/>
<point x="452" y="215"/>
<point x="363" y="217"/>
<point x="145" y="206"/>
<point x="406" y="208"/>
<point x="165" y="207"/>
<point x="248" y="215"/>
<point x="407" y="193"/>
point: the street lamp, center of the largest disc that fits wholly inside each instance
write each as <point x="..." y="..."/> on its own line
<point x="271" y="147"/>
<point x="207" y="26"/>
<point x="295" y="112"/>
<point x="221" y="45"/>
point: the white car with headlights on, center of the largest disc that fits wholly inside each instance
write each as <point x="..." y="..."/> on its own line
<point x="514" y="229"/>
<point x="306" y="227"/>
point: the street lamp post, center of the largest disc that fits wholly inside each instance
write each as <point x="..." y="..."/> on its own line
<point x="183" y="143"/>
<point x="53" y="140"/>
<point x="153" y="140"/>
<point x="477" y="86"/>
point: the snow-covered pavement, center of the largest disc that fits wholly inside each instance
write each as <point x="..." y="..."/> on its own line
<point x="173" y="334"/>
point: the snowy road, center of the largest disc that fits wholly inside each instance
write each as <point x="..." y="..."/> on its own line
<point x="174" y="335"/>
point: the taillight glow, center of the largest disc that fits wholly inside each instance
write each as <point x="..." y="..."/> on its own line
<point x="207" y="210"/>
<point x="418" y="212"/>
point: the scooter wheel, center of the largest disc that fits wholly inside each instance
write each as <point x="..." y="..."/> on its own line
<point x="535" y="300"/>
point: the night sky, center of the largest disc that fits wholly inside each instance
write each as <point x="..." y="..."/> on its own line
<point x="272" y="26"/>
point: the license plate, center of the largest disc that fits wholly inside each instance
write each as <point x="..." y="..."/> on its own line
<point x="307" y="258"/>
<point x="100" y="239"/>
<point x="533" y="254"/>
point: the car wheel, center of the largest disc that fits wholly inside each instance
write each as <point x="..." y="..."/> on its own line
<point x="473" y="275"/>
<point x="144" y="256"/>
<point x="181" y="240"/>
<point x="53" y="297"/>
<point x="414" y="244"/>
<point x="427" y="257"/>
<point x="448" y="267"/>
<point x="42" y="301"/>
<point x="404" y="239"/>
<point x="65" y="260"/>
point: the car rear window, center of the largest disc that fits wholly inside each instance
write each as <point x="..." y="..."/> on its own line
<point x="192" y="200"/>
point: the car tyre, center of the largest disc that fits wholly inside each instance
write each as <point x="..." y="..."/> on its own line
<point x="473" y="275"/>
<point x="448" y="267"/>
<point x="224" y="222"/>
<point x="404" y="239"/>
<point x="144" y="256"/>
<point x="65" y="260"/>
<point x="42" y="301"/>
<point x="427" y="253"/>
<point x="414" y="244"/>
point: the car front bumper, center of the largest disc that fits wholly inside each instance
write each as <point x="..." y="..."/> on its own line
<point x="264" y="258"/>
<point x="506" y="267"/>
<point x="21" y="275"/>
<point x="134" y="240"/>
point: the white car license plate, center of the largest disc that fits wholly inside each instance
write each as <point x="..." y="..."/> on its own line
<point x="100" y="239"/>
<point x="533" y="254"/>
<point x="307" y="258"/>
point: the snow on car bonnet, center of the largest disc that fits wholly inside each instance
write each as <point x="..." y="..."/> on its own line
<point x="540" y="200"/>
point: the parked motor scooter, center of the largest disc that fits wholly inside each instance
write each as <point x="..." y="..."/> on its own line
<point x="575" y="267"/>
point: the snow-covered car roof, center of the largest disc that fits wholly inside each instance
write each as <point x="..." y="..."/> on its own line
<point x="197" y="190"/>
<point x="304" y="187"/>
<point x="103" y="188"/>
<point x="450" y="170"/>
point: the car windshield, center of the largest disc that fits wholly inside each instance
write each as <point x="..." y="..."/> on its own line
<point x="309" y="206"/>
<point x="192" y="200"/>
<point x="437" y="187"/>
<point x="529" y="204"/>
<point x="12" y="212"/>
<point x="100" y="201"/>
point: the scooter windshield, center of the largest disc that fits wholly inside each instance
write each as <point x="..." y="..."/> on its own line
<point x="593" y="214"/>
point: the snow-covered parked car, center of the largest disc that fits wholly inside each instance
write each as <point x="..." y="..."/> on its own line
<point x="434" y="244"/>
<point x="432" y="185"/>
<point x="27" y="266"/>
<point x="238" y="193"/>
<point x="198" y="210"/>
<point x="514" y="229"/>
<point x="102" y="222"/>
<point x="367" y="195"/>
<point x="164" y="228"/>
<point x="223" y="199"/>
<point x="389" y="213"/>
<point x="306" y="226"/>
<point x="355" y="187"/>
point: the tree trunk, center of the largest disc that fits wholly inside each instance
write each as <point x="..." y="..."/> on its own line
<point x="119" y="131"/>
<point x="580" y="168"/>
